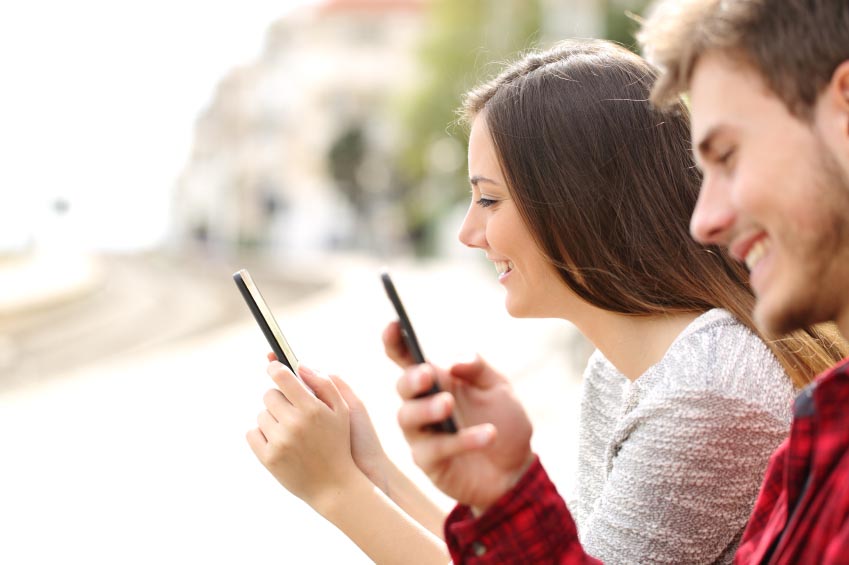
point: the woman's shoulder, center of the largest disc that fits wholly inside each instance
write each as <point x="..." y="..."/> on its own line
<point x="718" y="356"/>
<point x="718" y="344"/>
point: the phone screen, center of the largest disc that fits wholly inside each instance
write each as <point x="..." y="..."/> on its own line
<point x="262" y="313"/>
<point x="448" y="425"/>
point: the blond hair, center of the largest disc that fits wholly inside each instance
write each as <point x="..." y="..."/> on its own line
<point x="794" y="45"/>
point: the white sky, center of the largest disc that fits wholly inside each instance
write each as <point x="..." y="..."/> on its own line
<point x="98" y="105"/>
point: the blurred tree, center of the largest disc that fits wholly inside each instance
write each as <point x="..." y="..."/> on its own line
<point x="346" y="156"/>
<point x="619" y="21"/>
<point x="462" y="41"/>
<point x="345" y="159"/>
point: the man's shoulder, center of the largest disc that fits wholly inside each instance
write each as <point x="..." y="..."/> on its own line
<point x="830" y="388"/>
<point x="835" y="373"/>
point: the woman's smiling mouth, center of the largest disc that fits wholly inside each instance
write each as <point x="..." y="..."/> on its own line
<point x="503" y="268"/>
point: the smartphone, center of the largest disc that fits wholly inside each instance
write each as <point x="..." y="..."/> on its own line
<point x="262" y="313"/>
<point x="448" y="425"/>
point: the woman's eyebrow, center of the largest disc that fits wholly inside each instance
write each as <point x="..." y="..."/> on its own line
<point x="474" y="180"/>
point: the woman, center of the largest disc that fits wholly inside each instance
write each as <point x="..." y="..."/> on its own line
<point x="581" y="197"/>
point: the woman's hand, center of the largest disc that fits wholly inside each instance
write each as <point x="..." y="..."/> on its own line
<point x="305" y="440"/>
<point x="366" y="449"/>
<point x="486" y="458"/>
<point x="365" y="446"/>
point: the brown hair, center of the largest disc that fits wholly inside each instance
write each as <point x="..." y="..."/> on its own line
<point x="606" y="184"/>
<point x="795" y="45"/>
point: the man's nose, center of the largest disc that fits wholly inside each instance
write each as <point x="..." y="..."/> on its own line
<point x="714" y="214"/>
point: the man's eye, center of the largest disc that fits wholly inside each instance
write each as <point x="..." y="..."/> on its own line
<point x="724" y="158"/>
<point x="485" y="202"/>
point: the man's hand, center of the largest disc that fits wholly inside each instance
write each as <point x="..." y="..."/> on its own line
<point x="491" y="452"/>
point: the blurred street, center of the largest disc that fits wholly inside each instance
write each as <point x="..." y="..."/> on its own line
<point x="58" y="313"/>
<point x="323" y="131"/>
<point x="140" y="457"/>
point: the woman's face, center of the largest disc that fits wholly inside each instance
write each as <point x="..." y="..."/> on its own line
<point x="493" y="224"/>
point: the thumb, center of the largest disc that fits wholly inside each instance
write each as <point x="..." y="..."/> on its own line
<point x="347" y="393"/>
<point x="322" y="387"/>
<point x="476" y="372"/>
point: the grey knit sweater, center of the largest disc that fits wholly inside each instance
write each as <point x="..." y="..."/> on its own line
<point x="670" y="464"/>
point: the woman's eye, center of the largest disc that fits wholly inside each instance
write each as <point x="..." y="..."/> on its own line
<point x="486" y="202"/>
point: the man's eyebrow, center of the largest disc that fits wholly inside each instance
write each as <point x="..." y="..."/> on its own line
<point x="705" y="144"/>
<point x="474" y="180"/>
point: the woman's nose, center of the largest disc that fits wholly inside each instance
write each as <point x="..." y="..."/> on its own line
<point x="472" y="231"/>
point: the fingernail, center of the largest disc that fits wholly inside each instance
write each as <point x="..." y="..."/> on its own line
<point x="306" y="371"/>
<point x="439" y="406"/>
<point x="483" y="435"/>
<point x="418" y="379"/>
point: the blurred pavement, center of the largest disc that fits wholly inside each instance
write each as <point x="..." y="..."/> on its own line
<point x="142" y="458"/>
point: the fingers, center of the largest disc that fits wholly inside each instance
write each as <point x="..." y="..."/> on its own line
<point x="415" y="381"/>
<point x="271" y="357"/>
<point x="257" y="441"/>
<point x="304" y="391"/>
<point x="468" y="369"/>
<point x="394" y="346"/>
<point x="416" y="414"/>
<point x="476" y="372"/>
<point x="291" y="386"/>
<point x="432" y="450"/>
<point x="351" y="399"/>
<point x="275" y="404"/>
<point x="266" y="423"/>
<point x="323" y="387"/>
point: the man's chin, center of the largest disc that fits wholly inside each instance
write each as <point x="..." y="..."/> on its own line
<point x="776" y="318"/>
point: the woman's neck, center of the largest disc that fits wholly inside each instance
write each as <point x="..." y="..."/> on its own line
<point x="633" y="343"/>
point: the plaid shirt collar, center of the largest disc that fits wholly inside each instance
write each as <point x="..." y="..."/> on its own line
<point x="803" y="505"/>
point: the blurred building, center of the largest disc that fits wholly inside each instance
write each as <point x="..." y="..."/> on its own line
<point x="296" y="153"/>
<point x="573" y="18"/>
<point x="292" y="152"/>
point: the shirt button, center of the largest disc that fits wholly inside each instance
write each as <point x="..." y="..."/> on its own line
<point x="479" y="549"/>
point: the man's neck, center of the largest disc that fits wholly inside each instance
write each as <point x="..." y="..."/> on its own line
<point x="843" y="323"/>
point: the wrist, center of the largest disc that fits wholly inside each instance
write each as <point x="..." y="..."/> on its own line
<point x="509" y="483"/>
<point x="332" y="496"/>
<point x="337" y="497"/>
<point x="379" y="471"/>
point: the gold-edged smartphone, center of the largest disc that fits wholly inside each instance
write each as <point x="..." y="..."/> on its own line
<point x="262" y="313"/>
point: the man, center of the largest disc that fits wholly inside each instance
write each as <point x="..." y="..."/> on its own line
<point x="768" y="82"/>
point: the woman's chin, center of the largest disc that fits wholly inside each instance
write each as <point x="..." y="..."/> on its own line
<point x="516" y="308"/>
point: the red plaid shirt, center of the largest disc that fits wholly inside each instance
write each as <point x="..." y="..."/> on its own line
<point x="800" y="516"/>
<point x="529" y="524"/>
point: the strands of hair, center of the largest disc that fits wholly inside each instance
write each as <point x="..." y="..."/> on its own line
<point x="605" y="182"/>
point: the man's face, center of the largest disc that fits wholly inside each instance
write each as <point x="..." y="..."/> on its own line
<point x="775" y="192"/>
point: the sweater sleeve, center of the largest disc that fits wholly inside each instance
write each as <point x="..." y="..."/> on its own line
<point x="529" y="524"/>
<point x="683" y="478"/>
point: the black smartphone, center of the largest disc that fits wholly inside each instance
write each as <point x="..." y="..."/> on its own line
<point x="448" y="425"/>
<point x="262" y="313"/>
